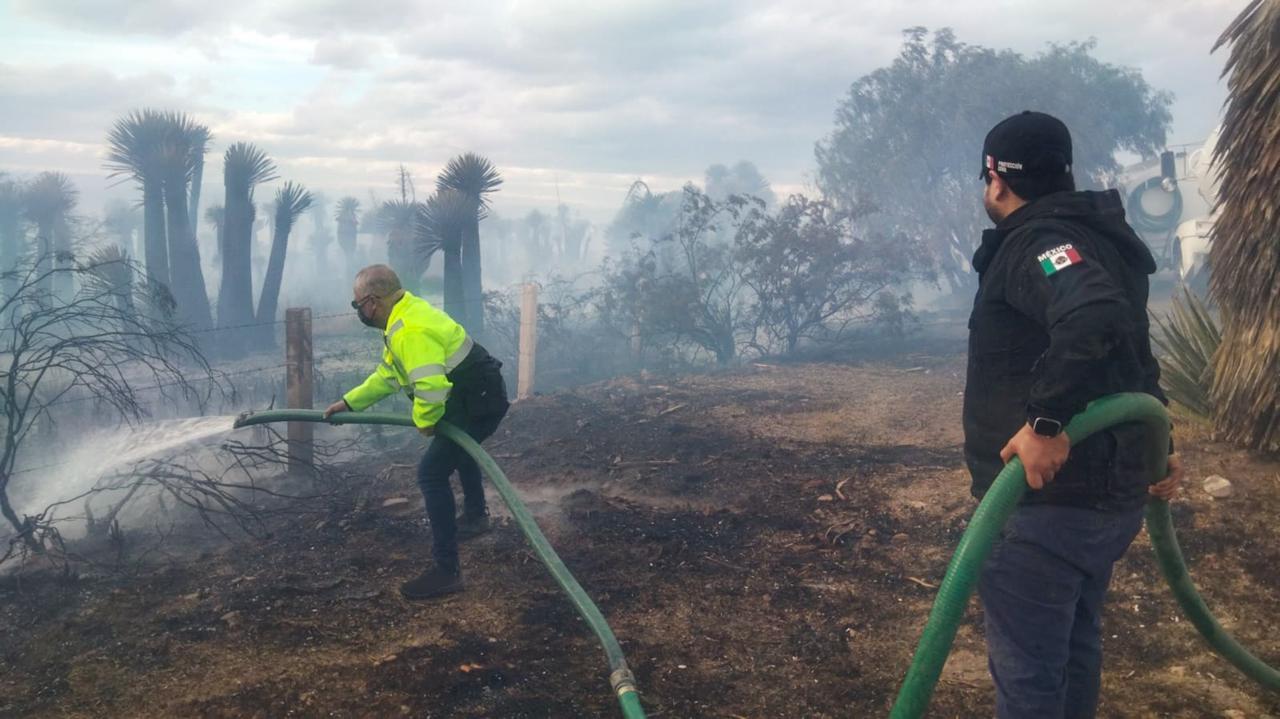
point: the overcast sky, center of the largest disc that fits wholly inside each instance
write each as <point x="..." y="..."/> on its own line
<point x="574" y="98"/>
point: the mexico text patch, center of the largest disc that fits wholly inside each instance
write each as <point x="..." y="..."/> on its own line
<point x="1059" y="258"/>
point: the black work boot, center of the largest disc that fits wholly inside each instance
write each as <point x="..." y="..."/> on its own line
<point x="433" y="583"/>
<point x="470" y="527"/>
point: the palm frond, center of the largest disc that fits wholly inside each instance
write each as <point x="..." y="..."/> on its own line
<point x="135" y="144"/>
<point x="49" y="197"/>
<point x="109" y="270"/>
<point x="291" y="201"/>
<point x="215" y="214"/>
<point x="245" y="165"/>
<point x="441" y="221"/>
<point x="396" y="215"/>
<point x="472" y="175"/>
<point x="348" y="210"/>
<point x="1188" y="337"/>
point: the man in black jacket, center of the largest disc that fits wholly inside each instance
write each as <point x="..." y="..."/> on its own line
<point x="1059" y="320"/>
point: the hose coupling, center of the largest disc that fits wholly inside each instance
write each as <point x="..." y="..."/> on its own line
<point x="622" y="680"/>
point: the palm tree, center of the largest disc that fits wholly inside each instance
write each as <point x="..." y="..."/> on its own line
<point x="396" y="220"/>
<point x="49" y="200"/>
<point x="183" y="143"/>
<point x="1245" y="254"/>
<point x="291" y="201"/>
<point x="441" y="226"/>
<point x="476" y="178"/>
<point x="121" y="220"/>
<point x="348" y="225"/>
<point x="245" y="167"/>
<point x="135" y="147"/>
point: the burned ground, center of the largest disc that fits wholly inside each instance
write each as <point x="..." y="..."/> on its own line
<point x="765" y="542"/>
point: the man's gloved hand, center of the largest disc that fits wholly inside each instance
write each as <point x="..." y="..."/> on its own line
<point x="1041" y="456"/>
<point x="336" y="407"/>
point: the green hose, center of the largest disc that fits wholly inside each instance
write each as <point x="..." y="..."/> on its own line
<point x="620" y="676"/>
<point x="989" y="519"/>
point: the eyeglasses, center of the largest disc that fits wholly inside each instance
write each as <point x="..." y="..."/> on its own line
<point x="357" y="304"/>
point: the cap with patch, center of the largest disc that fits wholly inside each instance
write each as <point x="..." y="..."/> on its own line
<point x="1027" y="144"/>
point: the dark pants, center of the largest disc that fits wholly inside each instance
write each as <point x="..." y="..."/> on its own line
<point x="1042" y="591"/>
<point x="477" y="411"/>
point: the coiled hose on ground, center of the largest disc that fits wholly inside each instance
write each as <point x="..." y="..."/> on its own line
<point x="989" y="519"/>
<point x="620" y="676"/>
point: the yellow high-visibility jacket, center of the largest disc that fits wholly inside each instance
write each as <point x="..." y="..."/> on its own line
<point x="421" y="345"/>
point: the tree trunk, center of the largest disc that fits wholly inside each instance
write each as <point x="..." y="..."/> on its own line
<point x="185" y="274"/>
<point x="472" y="286"/>
<point x="347" y="241"/>
<point x="193" y="205"/>
<point x="44" y="254"/>
<point x="155" y="245"/>
<point x="63" y="281"/>
<point x="454" y="299"/>
<point x="270" y="297"/>
<point x="235" y="293"/>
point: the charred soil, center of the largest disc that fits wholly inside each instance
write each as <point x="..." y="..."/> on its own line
<point x="765" y="542"/>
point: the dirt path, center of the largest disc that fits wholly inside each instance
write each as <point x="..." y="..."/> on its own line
<point x="764" y="542"/>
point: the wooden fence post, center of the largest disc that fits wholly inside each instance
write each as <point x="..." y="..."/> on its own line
<point x="298" y="385"/>
<point x="528" y="341"/>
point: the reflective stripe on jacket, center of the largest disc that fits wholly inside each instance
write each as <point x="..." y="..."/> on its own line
<point x="421" y="345"/>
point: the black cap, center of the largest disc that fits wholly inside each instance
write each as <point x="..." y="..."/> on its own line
<point x="1026" y="144"/>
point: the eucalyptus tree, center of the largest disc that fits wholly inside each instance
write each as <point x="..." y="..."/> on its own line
<point x="184" y="142"/>
<point x="47" y="204"/>
<point x="475" y="178"/>
<point x="135" y="148"/>
<point x="441" y="225"/>
<point x="245" y="167"/>
<point x="291" y="201"/>
<point x="347" y="217"/>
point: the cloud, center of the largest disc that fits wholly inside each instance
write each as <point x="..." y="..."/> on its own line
<point x="582" y="96"/>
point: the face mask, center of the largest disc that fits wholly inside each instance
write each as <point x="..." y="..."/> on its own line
<point x="366" y="321"/>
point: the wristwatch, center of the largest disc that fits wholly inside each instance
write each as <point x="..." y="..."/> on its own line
<point x="1046" y="426"/>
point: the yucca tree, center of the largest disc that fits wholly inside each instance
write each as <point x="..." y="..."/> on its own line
<point x="291" y="201"/>
<point x="122" y="221"/>
<point x="110" y="271"/>
<point x="396" y="220"/>
<point x="48" y="202"/>
<point x="200" y="140"/>
<point x="441" y="226"/>
<point x="12" y="239"/>
<point x="321" y="234"/>
<point x="245" y="167"/>
<point x="136" y="149"/>
<point x="183" y="143"/>
<point x="476" y="178"/>
<point x="1245" y="250"/>
<point x="347" y="217"/>
<point x="216" y="216"/>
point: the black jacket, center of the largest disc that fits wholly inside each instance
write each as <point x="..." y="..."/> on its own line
<point x="1060" y="319"/>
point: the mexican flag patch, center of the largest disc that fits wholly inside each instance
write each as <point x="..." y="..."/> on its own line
<point x="1059" y="258"/>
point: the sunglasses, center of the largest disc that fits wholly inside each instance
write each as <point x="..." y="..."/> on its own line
<point x="357" y="304"/>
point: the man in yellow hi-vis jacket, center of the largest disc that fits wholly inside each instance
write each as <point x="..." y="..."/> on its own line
<point x="448" y="376"/>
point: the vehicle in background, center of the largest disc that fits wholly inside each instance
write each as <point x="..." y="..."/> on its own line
<point x="1170" y="201"/>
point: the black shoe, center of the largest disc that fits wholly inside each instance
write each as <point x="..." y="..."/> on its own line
<point x="472" y="527"/>
<point x="433" y="583"/>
